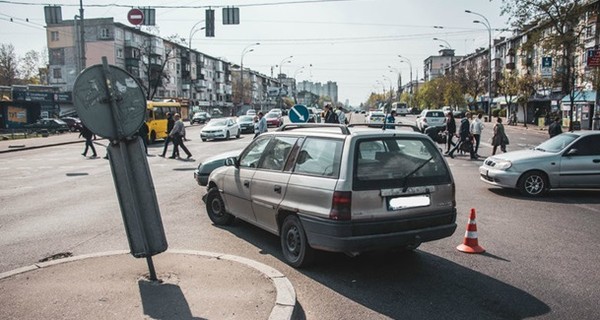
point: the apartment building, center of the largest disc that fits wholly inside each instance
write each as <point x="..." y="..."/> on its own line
<point x="166" y="69"/>
<point x="436" y="66"/>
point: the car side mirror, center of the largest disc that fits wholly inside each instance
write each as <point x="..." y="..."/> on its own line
<point x="572" y="152"/>
<point x="232" y="161"/>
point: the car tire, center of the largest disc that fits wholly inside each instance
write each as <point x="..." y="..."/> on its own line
<point x="215" y="208"/>
<point x="237" y="136"/>
<point x="533" y="184"/>
<point x="296" y="250"/>
<point x="227" y="136"/>
<point x="203" y="140"/>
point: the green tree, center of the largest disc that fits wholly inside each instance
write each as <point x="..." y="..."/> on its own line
<point x="471" y="79"/>
<point x="9" y="65"/>
<point x="562" y="17"/>
<point x="527" y="84"/>
<point x="30" y="66"/>
<point x="508" y="86"/>
<point x="453" y="95"/>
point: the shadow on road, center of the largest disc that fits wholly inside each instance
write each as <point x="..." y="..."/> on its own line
<point x="409" y="285"/>
<point x="587" y="196"/>
<point x="164" y="301"/>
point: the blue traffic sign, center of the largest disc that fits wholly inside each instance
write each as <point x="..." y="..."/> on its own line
<point x="298" y="114"/>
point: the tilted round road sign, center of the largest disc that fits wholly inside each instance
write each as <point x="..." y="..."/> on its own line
<point x="91" y="97"/>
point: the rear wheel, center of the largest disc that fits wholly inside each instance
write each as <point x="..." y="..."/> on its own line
<point x="215" y="207"/>
<point x="296" y="250"/>
<point x="533" y="184"/>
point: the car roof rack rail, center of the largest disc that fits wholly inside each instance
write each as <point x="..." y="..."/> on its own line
<point x="380" y="125"/>
<point x="292" y="126"/>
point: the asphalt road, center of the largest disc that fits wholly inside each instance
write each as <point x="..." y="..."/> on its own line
<point x="541" y="260"/>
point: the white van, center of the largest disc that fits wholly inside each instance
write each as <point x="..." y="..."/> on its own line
<point x="400" y="108"/>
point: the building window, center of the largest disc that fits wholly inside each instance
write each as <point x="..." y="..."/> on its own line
<point x="57" y="56"/>
<point x="57" y="73"/>
<point x="119" y="52"/>
<point x="104" y="33"/>
<point x="119" y="34"/>
<point x="54" y="36"/>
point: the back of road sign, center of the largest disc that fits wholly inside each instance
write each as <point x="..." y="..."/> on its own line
<point x="298" y="114"/>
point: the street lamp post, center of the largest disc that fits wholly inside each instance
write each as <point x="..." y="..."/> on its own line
<point x="285" y="60"/>
<point x="406" y="60"/>
<point x="244" y="52"/>
<point x="192" y="32"/>
<point x="486" y="23"/>
<point x="448" y="46"/>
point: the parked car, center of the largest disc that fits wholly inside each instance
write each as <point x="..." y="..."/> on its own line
<point x="200" y="117"/>
<point x="251" y="112"/>
<point x="246" y="124"/>
<point x="568" y="160"/>
<point x="48" y="124"/>
<point x="279" y="111"/>
<point x="222" y="128"/>
<point x="274" y="119"/>
<point x="430" y="118"/>
<point x="73" y="123"/>
<point x="339" y="189"/>
<point x="207" y="166"/>
<point x="375" y="117"/>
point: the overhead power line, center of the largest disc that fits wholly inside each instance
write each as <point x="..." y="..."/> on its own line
<point x="122" y="5"/>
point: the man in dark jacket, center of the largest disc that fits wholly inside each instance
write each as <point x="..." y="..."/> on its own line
<point x="170" y="124"/>
<point x="555" y="128"/>
<point x="88" y="135"/>
<point x="464" y="133"/>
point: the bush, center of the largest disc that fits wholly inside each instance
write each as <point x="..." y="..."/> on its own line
<point x="495" y="112"/>
<point x="502" y="112"/>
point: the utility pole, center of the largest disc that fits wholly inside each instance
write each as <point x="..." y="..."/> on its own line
<point x="82" y="36"/>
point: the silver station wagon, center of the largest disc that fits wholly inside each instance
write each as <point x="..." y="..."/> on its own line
<point x="336" y="188"/>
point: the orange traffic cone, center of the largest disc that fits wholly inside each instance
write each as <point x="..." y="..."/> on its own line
<point x="470" y="243"/>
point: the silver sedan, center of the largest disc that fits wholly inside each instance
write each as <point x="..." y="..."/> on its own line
<point x="569" y="160"/>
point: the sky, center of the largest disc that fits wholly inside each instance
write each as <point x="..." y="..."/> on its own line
<point x="351" y="42"/>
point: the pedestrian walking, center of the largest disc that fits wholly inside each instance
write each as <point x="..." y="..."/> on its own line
<point x="88" y="135"/>
<point x="177" y="135"/>
<point x="499" y="138"/>
<point x="476" y="130"/>
<point x="391" y="120"/>
<point x="555" y="128"/>
<point x="170" y="124"/>
<point x="330" y="115"/>
<point x="450" y="131"/>
<point x="341" y="115"/>
<point x="261" y="125"/>
<point x="143" y="133"/>
<point x="466" y="140"/>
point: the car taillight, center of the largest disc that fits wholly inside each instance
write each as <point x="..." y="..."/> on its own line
<point x="341" y="206"/>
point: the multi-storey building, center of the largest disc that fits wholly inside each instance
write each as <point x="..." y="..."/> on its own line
<point x="329" y="89"/>
<point x="166" y="69"/>
<point x="436" y="66"/>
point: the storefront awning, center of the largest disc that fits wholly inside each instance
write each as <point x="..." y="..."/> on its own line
<point x="581" y="96"/>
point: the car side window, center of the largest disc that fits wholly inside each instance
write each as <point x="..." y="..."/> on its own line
<point x="277" y="153"/>
<point x="587" y="146"/>
<point x="251" y="156"/>
<point x="319" y="156"/>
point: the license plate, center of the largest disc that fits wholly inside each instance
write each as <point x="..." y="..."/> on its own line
<point x="399" y="203"/>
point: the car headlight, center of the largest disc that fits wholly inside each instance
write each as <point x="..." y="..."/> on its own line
<point x="502" y="164"/>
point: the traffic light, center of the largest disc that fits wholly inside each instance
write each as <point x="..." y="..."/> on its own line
<point x="210" y="23"/>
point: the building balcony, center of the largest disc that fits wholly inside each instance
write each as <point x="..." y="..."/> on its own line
<point x="132" y="44"/>
<point x="132" y="62"/>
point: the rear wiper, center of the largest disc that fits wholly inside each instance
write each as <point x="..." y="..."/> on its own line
<point x="405" y="184"/>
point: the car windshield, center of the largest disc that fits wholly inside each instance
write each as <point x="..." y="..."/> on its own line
<point x="218" y="123"/>
<point x="246" y="119"/>
<point x="557" y="143"/>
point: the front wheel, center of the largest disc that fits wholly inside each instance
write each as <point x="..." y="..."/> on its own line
<point x="296" y="250"/>
<point x="215" y="207"/>
<point x="533" y="184"/>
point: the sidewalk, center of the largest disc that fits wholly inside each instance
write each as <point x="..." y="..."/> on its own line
<point x="40" y="142"/>
<point x="113" y="285"/>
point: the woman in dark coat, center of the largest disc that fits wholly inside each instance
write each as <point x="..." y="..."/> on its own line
<point x="450" y="131"/>
<point x="499" y="138"/>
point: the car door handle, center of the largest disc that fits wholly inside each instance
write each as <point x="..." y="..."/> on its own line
<point x="596" y="160"/>
<point x="277" y="188"/>
<point x="246" y="183"/>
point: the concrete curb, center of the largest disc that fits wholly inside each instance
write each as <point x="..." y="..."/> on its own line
<point x="41" y="146"/>
<point x="285" y="300"/>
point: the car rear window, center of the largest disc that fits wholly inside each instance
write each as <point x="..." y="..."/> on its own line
<point x="394" y="162"/>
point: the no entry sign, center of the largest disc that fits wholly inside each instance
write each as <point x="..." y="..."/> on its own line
<point x="135" y="16"/>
